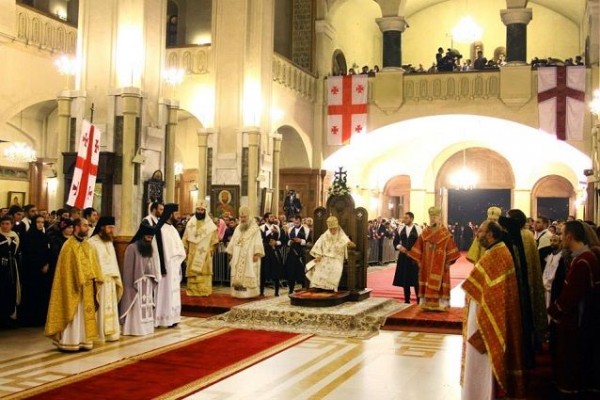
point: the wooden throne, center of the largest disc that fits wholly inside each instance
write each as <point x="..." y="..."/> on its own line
<point x="353" y="220"/>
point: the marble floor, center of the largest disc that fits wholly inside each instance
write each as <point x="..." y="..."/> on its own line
<point x="391" y="365"/>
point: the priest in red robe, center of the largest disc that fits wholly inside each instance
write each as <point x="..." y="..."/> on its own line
<point x="492" y="355"/>
<point x="435" y="251"/>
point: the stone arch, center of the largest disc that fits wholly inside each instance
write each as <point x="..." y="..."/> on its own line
<point x="294" y="150"/>
<point x="553" y="186"/>
<point x="494" y="171"/>
<point x="295" y="169"/>
<point x="395" y="199"/>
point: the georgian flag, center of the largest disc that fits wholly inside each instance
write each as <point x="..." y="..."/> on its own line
<point x="81" y="193"/>
<point x="346" y="108"/>
<point x="561" y="101"/>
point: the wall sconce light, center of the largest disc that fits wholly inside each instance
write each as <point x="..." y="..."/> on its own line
<point x="178" y="168"/>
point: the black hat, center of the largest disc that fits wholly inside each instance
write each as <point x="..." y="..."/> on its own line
<point x="146" y="230"/>
<point x="170" y="208"/>
<point x="143" y="230"/>
<point x="103" y="221"/>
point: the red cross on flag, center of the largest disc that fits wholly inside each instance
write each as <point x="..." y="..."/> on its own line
<point x="561" y="101"/>
<point x="346" y="108"/>
<point x="81" y="193"/>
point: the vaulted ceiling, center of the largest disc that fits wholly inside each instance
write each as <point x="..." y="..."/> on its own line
<point x="572" y="9"/>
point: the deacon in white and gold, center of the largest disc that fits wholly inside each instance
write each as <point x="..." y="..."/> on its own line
<point x="246" y="249"/>
<point x="200" y="241"/>
<point x="112" y="289"/>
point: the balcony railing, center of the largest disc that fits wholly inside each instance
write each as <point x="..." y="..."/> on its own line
<point x="36" y="29"/>
<point x="452" y="86"/>
<point x="193" y="60"/>
<point x="289" y="75"/>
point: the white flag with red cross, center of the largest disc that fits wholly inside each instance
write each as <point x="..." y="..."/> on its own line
<point x="81" y="192"/>
<point x="561" y="101"/>
<point x="346" y="108"/>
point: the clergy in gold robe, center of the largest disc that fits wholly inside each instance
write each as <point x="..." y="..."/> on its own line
<point x="245" y="249"/>
<point x="112" y="288"/>
<point x="71" y="322"/>
<point x="330" y="250"/>
<point x="536" y="285"/>
<point x="492" y="355"/>
<point x="435" y="251"/>
<point x="476" y="250"/>
<point x="199" y="241"/>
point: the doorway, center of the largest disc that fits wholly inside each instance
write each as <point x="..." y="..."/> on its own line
<point x="468" y="208"/>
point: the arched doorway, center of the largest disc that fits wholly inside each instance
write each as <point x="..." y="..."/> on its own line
<point x="553" y="197"/>
<point x="395" y="200"/>
<point x="467" y="206"/>
<point x="295" y="172"/>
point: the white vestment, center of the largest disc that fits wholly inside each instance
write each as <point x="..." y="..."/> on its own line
<point x="552" y="261"/>
<point x="245" y="273"/>
<point x="478" y="383"/>
<point x="168" y="292"/>
<point x="332" y="251"/>
<point x="73" y="337"/>
<point x="110" y="292"/>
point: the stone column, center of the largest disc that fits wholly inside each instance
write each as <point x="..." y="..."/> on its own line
<point x="392" y="28"/>
<point x="64" y="115"/>
<point x="170" y="136"/>
<point x="131" y="98"/>
<point x="277" y="138"/>
<point x="253" y="148"/>
<point x="203" y="135"/>
<point x="516" y="20"/>
<point x="64" y="122"/>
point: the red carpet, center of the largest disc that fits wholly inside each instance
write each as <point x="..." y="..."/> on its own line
<point x="381" y="281"/>
<point x="415" y="319"/>
<point x="174" y="371"/>
<point x="206" y="306"/>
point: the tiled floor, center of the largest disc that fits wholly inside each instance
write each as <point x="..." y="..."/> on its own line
<point x="392" y="365"/>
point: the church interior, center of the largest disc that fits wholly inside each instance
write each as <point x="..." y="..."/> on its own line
<point x="232" y="96"/>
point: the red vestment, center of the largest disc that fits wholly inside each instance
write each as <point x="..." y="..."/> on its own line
<point x="434" y="250"/>
<point x="576" y="314"/>
<point x="493" y="286"/>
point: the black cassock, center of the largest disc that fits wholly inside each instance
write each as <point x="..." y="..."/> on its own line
<point x="9" y="279"/>
<point x="295" y="262"/>
<point x="407" y="270"/>
<point x="271" y="267"/>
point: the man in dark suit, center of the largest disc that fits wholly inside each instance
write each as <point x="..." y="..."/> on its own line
<point x="292" y="205"/>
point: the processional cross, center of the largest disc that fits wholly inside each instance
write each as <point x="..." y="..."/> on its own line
<point x="340" y="175"/>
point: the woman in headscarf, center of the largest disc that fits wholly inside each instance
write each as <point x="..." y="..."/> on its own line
<point x="35" y="275"/>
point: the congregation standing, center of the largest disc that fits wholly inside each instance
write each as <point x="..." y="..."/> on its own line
<point x="534" y="283"/>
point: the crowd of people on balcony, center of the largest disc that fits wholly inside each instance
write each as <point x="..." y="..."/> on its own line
<point x="365" y="70"/>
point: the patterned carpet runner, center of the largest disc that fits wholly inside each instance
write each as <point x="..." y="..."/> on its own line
<point x="171" y="372"/>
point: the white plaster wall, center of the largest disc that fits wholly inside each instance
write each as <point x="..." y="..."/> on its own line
<point x="297" y="113"/>
<point x="548" y="34"/>
<point x="357" y="33"/>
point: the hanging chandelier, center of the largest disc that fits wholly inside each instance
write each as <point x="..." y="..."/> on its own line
<point x="467" y="31"/>
<point x="464" y="178"/>
<point x="19" y="152"/>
